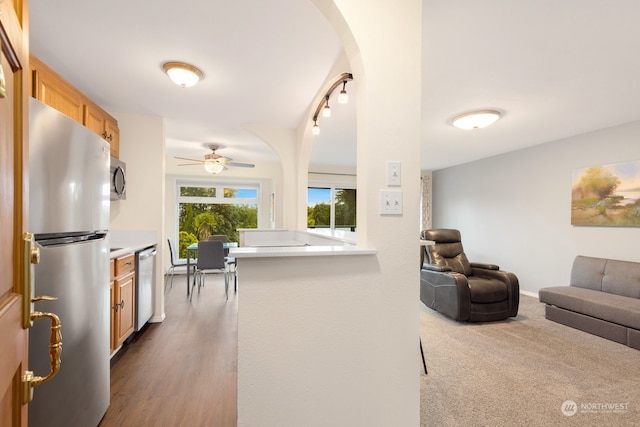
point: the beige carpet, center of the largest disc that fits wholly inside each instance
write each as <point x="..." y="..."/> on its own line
<point x="519" y="372"/>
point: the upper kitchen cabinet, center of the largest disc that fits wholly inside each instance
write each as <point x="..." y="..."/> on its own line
<point x="96" y="119"/>
<point x="53" y="90"/>
<point x="48" y="87"/>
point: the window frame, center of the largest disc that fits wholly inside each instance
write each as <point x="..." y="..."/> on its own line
<point x="219" y="198"/>
<point x="332" y="186"/>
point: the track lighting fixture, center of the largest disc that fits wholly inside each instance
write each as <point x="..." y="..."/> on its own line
<point x="343" y="96"/>
<point x="323" y="106"/>
<point x="326" y="110"/>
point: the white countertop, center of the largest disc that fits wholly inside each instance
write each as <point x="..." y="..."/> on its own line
<point x="256" y="243"/>
<point x="131" y="241"/>
<point x="297" y="251"/>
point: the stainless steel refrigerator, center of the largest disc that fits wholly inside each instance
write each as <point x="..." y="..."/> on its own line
<point x="69" y="216"/>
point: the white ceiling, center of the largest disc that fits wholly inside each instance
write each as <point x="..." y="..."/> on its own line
<point x="554" y="68"/>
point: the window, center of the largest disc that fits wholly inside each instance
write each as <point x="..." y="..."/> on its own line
<point x="206" y="209"/>
<point x="331" y="207"/>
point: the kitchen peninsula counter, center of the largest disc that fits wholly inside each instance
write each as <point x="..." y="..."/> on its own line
<point x="297" y="295"/>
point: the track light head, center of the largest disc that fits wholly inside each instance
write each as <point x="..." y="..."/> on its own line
<point x="343" y="97"/>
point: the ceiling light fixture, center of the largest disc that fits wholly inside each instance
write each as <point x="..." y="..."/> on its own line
<point x="213" y="167"/>
<point x="343" y="96"/>
<point x="476" y="119"/>
<point x="326" y="110"/>
<point x="324" y="104"/>
<point x="182" y="74"/>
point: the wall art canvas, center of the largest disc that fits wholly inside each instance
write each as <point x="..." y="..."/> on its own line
<point x="606" y="195"/>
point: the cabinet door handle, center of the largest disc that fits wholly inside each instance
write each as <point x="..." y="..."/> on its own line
<point x="110" y="138"/>
<point x="115" y="307"/>
<point x="104" y="134"/>
<point x="121" y="304"/>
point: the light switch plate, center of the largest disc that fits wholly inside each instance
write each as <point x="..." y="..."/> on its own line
<point x="394" y="174"/>
<point x="390" y="202"/>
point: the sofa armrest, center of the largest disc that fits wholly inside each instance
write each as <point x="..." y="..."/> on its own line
<point x="446" y="292"/>
<point x="484" y="266"/>
<point x="508" y="278"/>
<point x="434" y="267"/>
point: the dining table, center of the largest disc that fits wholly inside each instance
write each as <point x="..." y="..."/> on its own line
<point x="192" y="250"/>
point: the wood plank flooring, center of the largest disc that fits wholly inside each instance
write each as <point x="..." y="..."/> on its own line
<point x="182" y="372"/>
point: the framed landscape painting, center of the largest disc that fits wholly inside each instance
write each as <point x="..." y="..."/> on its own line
<point x="606" y="195"/>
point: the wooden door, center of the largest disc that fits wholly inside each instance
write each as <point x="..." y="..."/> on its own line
<point x="14" y="339"/>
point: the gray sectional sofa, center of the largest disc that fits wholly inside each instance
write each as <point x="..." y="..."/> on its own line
<point x="603" y="298"/>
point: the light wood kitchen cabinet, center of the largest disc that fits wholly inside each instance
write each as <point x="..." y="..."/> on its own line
<point x="50" y="88"/>
<point x="100" y="122"/>
<point x="53" y="90"/>
<point x="123" y="300"/>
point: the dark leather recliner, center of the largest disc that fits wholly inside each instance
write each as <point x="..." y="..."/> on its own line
<point x="462" y="290"/>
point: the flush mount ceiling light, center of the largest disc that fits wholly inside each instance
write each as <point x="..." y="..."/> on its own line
<point x="182" y="74"/>
<point x="323" y="106"/>
<point x="476" y="119"/>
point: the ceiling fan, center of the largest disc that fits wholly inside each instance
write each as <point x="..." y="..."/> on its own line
<point x="214" y="163"/>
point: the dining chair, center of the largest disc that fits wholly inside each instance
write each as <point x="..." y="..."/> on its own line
<point x="230" y="262"/>
<point x="175" y="262"/>
<point x="210" y="257"/>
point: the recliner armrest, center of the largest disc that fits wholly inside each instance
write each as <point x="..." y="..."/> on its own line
<point x="484" y="266"/>
<point x="434" y="267"/>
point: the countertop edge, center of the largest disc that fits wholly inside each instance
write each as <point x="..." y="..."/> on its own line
<point x="298" y="251"/>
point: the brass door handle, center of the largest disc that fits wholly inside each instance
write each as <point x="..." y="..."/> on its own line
<point x="31" y="256"/>
<point x="29" y="381"/>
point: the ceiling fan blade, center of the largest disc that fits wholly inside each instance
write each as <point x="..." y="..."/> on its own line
<point x="189" y="164"/>
<point x="240" y="165"/>
<point x="190" y="160"/>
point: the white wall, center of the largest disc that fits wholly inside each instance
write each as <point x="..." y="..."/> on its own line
<point x="515" y="209"/>
<point x="142" y="149"/>
<point x="372" y="379"/>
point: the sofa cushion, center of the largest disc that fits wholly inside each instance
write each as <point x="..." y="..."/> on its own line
<point x="607" y="275"/>
<point x="622" y="278"/>
<point x="587" y="272"/>
<point x="610" y="307"/>
<point x="447" y="251"/>
<point x="486" y="291"/>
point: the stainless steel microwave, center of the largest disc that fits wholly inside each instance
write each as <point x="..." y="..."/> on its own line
<point x="118" y="179"/>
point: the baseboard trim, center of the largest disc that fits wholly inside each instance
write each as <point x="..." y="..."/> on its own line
<point x="529" y="294"/>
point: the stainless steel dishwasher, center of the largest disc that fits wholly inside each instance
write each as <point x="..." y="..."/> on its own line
<point x="145" y="280"/>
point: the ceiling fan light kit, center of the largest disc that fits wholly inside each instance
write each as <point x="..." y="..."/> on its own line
<point x="323" y="106"/>
<point x="213" y="167"/>
<point x="476" y="119"/>
<point x="214" y="163"/>
<point x="182" y="74"/>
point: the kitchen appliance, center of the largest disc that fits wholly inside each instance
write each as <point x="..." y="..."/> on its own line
<point x="118" y="179"/>
<point x="69" y="216"/>
<point x="145" y="279"/>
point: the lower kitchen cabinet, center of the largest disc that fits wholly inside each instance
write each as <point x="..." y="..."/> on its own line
<point x="122" y="299"/>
